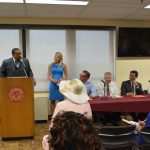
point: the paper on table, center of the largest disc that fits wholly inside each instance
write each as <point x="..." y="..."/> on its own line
<point x="138" y="96"/>
<point x="130" y="122"/>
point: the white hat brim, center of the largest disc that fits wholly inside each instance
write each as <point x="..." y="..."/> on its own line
<point x="80" y="99"/>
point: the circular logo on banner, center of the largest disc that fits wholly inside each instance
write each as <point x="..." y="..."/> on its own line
<point x="16" y="94"/>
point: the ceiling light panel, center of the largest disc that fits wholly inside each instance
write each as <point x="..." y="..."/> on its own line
<point x="11" y="1"/>
<point x="59" y="2"/>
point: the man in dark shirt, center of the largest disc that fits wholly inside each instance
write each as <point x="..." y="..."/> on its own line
<point x="16" y="66"/>
<point x="131" y="86"/>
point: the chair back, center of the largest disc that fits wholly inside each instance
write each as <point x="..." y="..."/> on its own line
<point x="117" y="136"/>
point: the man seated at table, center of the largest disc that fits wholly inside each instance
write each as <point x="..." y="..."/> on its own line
<point x="110" y="86"/>
<point x="107" y="87"/>
<point x="91" y="90"/>
<point x="132" y="87"/>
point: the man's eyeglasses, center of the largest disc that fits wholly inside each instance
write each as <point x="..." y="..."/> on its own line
<point x="85" y="76"/>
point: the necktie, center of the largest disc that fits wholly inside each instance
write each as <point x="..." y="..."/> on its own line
<point x="132" y="87"/>
<point x="108" y="90"/>
<point x="17" y="63"/>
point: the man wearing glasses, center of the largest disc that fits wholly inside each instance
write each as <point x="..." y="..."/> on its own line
<point x="91" y="90"/>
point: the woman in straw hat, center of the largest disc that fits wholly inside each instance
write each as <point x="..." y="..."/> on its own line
<point x="76" y="101"/>
<point x="76" y="98"/>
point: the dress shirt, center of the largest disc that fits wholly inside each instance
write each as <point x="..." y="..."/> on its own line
<point x="112" y="88"/>
<point x="91" y="90"/>
<point x="133" y="88"/>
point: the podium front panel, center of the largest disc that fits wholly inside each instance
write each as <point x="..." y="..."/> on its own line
<point x="16" y="107"/>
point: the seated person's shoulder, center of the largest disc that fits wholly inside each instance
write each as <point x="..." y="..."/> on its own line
<point x="125" y="82"/>
<point x="7" y="60"/>
<point x="90" y="83"/>
<point x="139" y="83"/>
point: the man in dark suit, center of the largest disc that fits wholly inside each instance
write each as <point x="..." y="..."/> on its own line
<point x="131" y="86"/>
<point x="16" y="66"/>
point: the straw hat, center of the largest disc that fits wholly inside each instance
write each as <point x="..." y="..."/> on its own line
<point x="74" y="90"/>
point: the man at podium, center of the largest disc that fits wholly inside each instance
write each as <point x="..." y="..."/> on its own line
<point x="16" y="84"/>
<point x="16" y="66"/>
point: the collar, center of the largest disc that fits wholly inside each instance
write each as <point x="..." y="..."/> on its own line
<point x="13" y="59"/>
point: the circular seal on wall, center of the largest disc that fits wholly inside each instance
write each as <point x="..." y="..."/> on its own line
<point x="16" y="94"/>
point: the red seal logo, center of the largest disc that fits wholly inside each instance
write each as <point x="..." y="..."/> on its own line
<point x="16" y="94"/>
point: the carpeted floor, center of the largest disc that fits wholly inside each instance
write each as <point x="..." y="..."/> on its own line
<point x="41" y="129"/>
<point x="27" y="144"/>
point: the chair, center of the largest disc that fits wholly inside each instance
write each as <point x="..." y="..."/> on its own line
<point x="117" y="137"/>
<point x="145" y="133"/>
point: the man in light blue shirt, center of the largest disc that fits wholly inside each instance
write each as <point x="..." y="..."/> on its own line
<point x="91" y="90"/>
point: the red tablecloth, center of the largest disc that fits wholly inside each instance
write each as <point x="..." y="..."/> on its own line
<point x="121" y="104"/>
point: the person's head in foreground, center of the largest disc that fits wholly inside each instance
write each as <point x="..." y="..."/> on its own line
<point x="73" y="131"/>
<point x="74" y="90"/>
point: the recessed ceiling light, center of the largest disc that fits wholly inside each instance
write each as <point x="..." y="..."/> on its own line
<point x="11" y="1"/>
<point x="61" y="2"/>
<point x="148" y="6"/>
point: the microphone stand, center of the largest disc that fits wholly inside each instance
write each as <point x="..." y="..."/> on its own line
<point x="105" y="97"/>
<point x="24" y="68"/>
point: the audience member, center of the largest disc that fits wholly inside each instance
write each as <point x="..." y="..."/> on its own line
<point x="72" y="131"/>
<point x="138" y="137"/>
<point x="91" y="90"/>
<point x="57" y="71"/>
<point x="77" y="98"/>
<point x="107" y="86"/>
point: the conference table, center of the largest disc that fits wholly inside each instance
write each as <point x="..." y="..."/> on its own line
<point x="137" y="103"/>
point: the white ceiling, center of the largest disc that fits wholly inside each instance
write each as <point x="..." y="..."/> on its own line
<point x="96" y="9"/>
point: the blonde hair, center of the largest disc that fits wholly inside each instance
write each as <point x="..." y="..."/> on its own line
<point x="60" y="56"/>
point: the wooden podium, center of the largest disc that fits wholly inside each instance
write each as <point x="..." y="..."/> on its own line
<point x="16" y="107"/>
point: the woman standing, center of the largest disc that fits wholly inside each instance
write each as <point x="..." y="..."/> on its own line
<point x="57" y="71"/>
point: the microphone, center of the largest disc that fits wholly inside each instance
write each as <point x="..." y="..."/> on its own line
<point x="103" y="81"/>
<point x="23" y="62"/>
<point x="104" y="97"/>
<point x="24" y="66"/>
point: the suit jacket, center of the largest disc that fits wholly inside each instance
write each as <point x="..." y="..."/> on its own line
<point x="126" y="88"/>
<point x="8" y="69"/>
